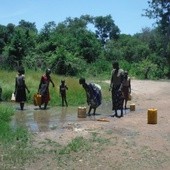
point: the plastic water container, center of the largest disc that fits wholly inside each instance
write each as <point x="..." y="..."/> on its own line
<point x="132" y="107"/>
<point x="152" y="116"/>
<point x="37" y="99"/>
<point x="82" y="112"/>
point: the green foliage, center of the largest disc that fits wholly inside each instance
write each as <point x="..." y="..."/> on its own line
<point x="75" y="94"/>
<point x="160" y="10"/>
<point x="146" y="70"/>
<point x="106" y="28"/>
<point x="14" y="142"/>
<point x="5" y="113"/>
<point x="71" y="49"/>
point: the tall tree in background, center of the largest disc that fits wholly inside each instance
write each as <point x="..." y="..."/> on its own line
<point x="106" y="28"/>
<point x="46" y="31"/>
<point x="160" y="10"/>
<point x="28" y="25"/>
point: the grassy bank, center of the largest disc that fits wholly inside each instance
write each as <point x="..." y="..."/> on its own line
<point x="18" y="148"/>
<point x="14" y="143"/>
<point x="75" y="94"/>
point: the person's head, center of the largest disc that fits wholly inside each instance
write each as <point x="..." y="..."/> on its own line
<point x="21" y="70"/>
<point x="115" y="65"/>
<point x="82" y="81"/>
<point x="125" y="74"/>
<point x="48" y="72"/>
<point x="62" y="81"/>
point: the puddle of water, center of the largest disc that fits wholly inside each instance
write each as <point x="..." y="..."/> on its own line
<point x="37" y="120"/>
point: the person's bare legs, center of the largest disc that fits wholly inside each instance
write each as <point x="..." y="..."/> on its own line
<point x="22" y="106"/>
<point x="94" y="112"/>
<point x="45" y="106"/>
<point x="90" y="108"/>
<point x="125" y="104"/>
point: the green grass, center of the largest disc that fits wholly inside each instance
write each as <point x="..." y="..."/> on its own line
<point x="14" y="142"/>
<point x="17" y="149"/>
<point x="75" y="94"/>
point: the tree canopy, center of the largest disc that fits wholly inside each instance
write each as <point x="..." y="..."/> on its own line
<point x="72" y="48"/>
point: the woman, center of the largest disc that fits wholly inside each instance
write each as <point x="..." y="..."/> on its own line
<point x="20" y="88"/>
<point x="115" y="87"/>
<point x="94" y="96"/>
<point x="44" y="88"/>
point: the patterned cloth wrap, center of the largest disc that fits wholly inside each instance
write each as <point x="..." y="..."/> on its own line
<point x="95" y="96"/>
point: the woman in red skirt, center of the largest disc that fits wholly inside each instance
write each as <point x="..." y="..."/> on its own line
<point x="44" y="88"/>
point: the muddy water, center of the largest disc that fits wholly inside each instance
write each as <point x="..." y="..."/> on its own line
<point x="37" y="120"/>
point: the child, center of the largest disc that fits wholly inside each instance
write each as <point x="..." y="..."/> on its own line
<point x="63" y="89"/>
<point x="126" y="87"/>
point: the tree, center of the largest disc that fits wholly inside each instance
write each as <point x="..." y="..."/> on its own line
<point x="160" y="10"/>
<point x="28" y="25"/>
<point x="45" y="33"/>
<point x="106" y="28"/>
<point x="76" y="39"/>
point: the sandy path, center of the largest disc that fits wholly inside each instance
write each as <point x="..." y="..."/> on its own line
<point x="134" y="144"/>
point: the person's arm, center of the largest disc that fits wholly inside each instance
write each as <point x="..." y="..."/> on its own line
<point x="60" y="90"/>
<point x="27" y="88"/>
<point x="52" y="82"/>
<point x="111" y="82"/>
<point x="25" y="85"/>
<point x="41" y="81"/>
<point x="129" y="85"/>
<point x="121" y="80"/>
<point x="15" y="85"/>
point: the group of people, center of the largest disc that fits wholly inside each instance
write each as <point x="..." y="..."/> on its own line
<point x="43" y="89"/>
<point x="120" y="87"/>
<point x="93" y="92"/>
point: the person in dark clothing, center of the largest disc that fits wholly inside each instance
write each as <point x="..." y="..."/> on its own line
<point x="20" y="88"/>
<point x="63" y="89"/>
<point x="93" y="93"/>
<point x="116" y="87"/>
<point x="0" y="93"/>
<point x="43" y="88"/>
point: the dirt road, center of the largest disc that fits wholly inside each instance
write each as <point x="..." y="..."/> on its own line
<point x="131" y="142"/>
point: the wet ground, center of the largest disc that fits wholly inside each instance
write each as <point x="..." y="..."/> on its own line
<point x="131" y="143"/>
<point x="36" y="120"/>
